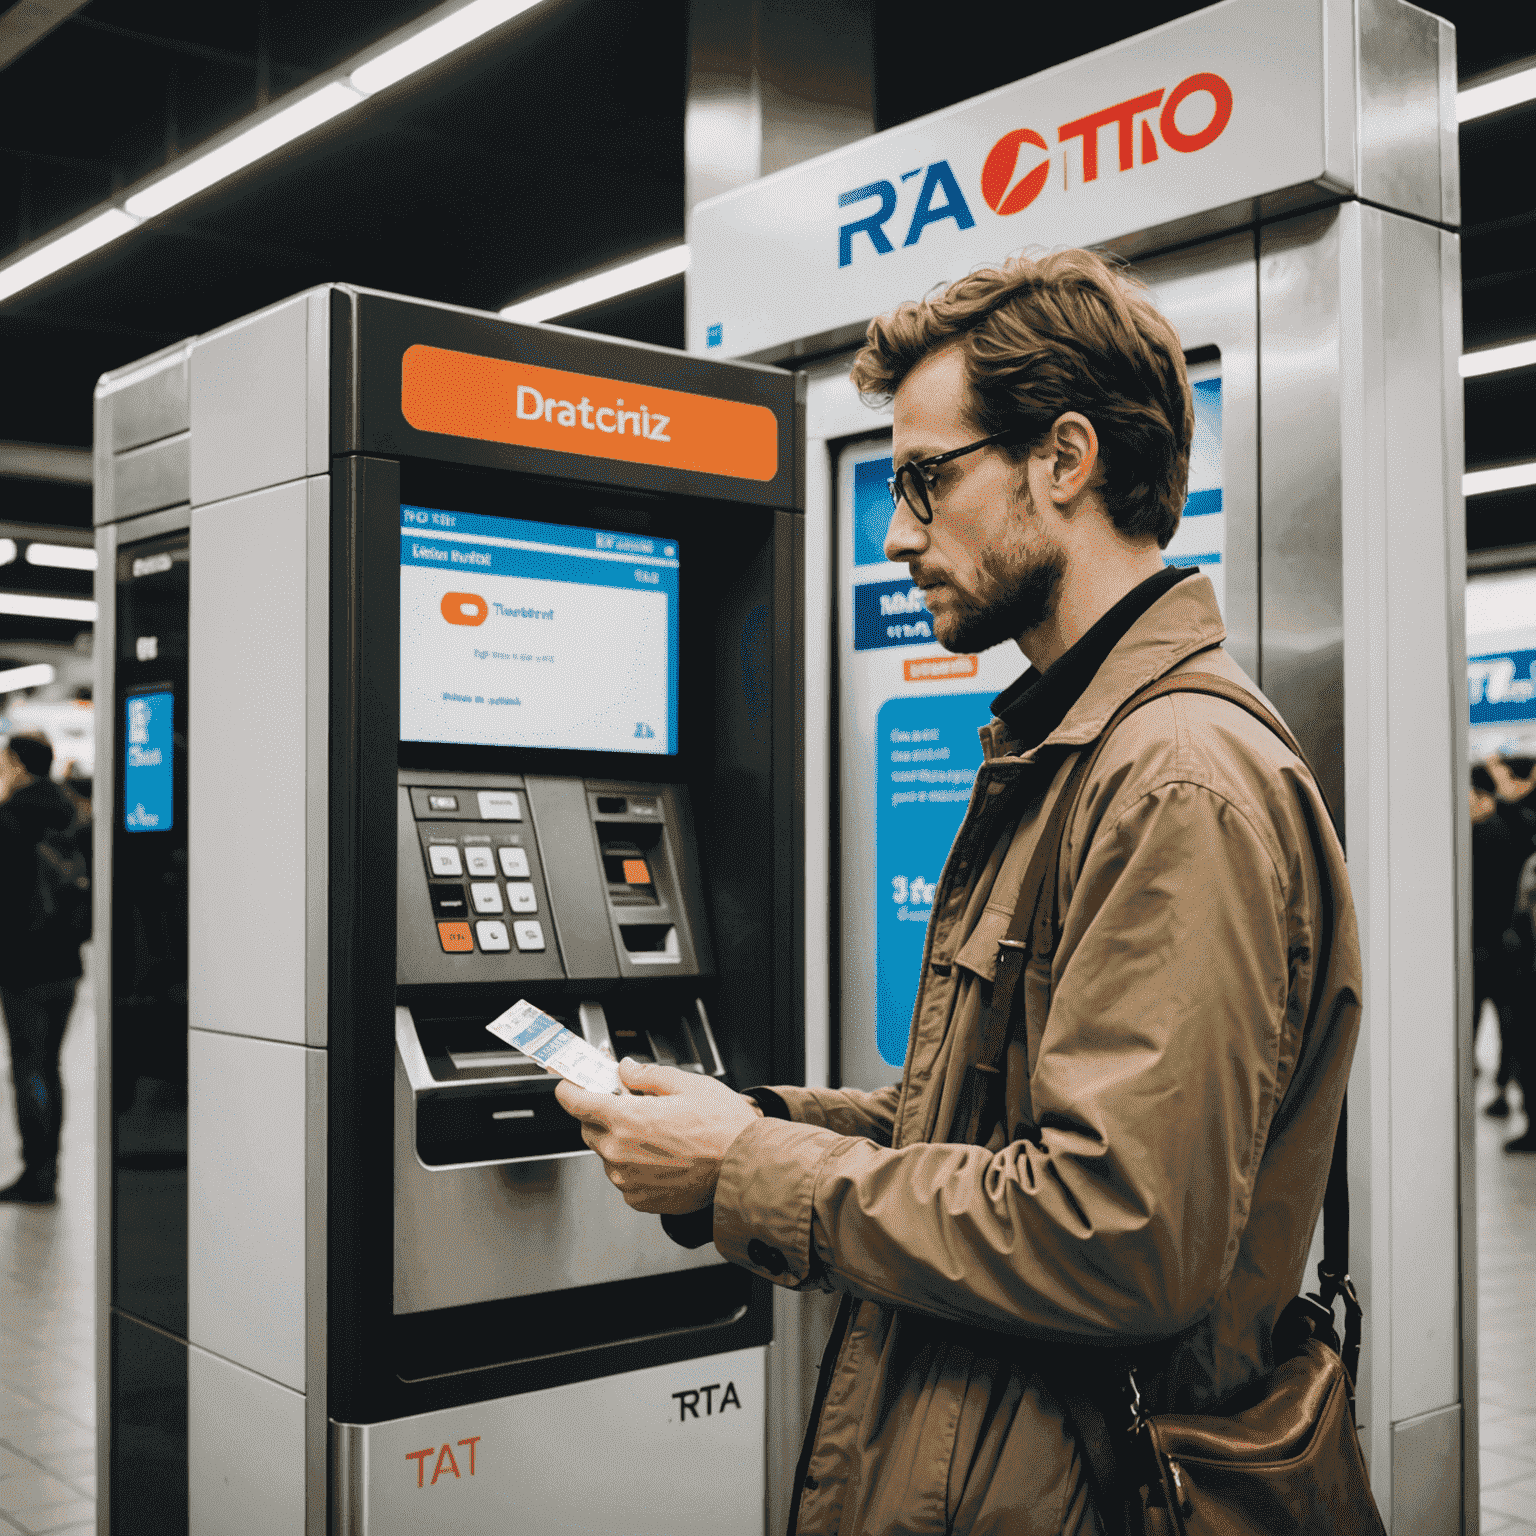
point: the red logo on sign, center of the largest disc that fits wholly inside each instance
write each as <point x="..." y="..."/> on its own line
<point x="1002" y="161"/>
<point x="464" y="608"/>
<point x="1004" y="195"/>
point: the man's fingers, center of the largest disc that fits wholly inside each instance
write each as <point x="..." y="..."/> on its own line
<point x="584" y="1104"/>
<point x="643" y="1077"/>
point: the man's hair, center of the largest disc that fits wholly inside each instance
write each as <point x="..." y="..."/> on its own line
<point x="33" y="751"/>
<point x="1042" y="335"/>
<point x="1483" y="780"/>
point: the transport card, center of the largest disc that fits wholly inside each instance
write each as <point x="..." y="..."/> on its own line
<point x="556" y="1049"/>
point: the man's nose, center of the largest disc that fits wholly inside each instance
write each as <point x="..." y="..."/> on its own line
<point x="905" y="537"/>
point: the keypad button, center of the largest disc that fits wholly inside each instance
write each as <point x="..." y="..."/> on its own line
<point x="530" y="934"/>
<point x="448" y="901"/>
<point x="445" y="859"/>
<point x="443" y="802"/>
<point x="456" y="938"/>
<point x="478" y="861"/>
<point x="486" y="897"/>
<point x="500" y="805"/>
<point x="492" y="936"/>
<point x="520" y="896"/>
<point x="514" y="863"/>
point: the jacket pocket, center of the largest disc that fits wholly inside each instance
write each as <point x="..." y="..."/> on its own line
<point x="979" y="952"/>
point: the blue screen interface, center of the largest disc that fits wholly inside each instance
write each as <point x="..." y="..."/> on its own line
<point x="149" y="796"/>
<point x="525" y="634"/>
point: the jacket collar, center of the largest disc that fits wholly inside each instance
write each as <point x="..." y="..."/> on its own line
<point x="1181" y="623"/>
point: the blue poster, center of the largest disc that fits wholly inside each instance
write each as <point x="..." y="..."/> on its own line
<point x="149" y="799"/>
<point x="928" y="753"/>
<point x="890" y="613"/>
<point x="1502" y="687"/>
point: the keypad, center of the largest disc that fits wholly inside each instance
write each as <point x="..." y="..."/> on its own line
<point x="529" y="934"/>
<point x="492" y="936"/>
<point x="480" y="862"/>
<point x="514" y="863"/>
<point x="455" y="938"/>
<point x="486" y="896"/>
<point x="520" y="896"/>
<point x="445" y="859"/>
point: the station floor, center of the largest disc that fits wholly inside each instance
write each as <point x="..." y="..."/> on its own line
<point x="47" y="1340"/>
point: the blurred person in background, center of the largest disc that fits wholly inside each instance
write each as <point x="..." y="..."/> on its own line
<point x="1500" y="848"/>
<point x="44" y="917"/>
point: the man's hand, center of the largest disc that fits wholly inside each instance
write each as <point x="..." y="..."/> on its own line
<point x="661" y="1146"/>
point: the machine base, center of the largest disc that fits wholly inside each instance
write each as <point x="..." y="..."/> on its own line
<point x="676" y="1450"/>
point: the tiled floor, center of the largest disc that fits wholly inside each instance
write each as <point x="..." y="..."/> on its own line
<point x="1506" y="1354"/>
<point x="47" y="1350"/>
<point x="47" y="1338"/>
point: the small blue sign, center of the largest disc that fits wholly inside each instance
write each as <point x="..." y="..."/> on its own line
<point x="890" y="613"/>
<point x="871" y="509"/>
<point x="149" y="795"/>
<point x="928" y="753"/>
<point x="1502" y="687"/>
<point x="714" y="336"/>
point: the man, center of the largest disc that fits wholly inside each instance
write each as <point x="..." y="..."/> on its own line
<point x="39" y="962"/>
<point x="1500" y="952"/>
<point x="1168" y="1118"/>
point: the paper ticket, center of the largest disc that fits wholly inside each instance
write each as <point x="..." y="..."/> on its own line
<point x="548" y="1042"/>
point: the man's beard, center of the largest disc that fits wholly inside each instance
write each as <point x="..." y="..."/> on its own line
<point x="1019" y="592"/>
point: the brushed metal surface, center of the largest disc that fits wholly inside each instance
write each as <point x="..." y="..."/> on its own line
<point x="154" y="476"/>
<point x="1300" y="549"/>
<point x="1400" y="104"/>
<point x="245" y="1451"/>
<point x="646" y="1453"/>
<point x="247" y="1138"/>
<point x="145" y="401"/>
<point x="1426" y="1475"/>
<point x="490" y="1231"/>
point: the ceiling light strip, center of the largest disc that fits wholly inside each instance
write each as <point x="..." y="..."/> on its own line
<point x="611" y="283"/>
<point x="29" y="605"/>
<point x="68" y="557"/>
<point x="1518" y="354"/>
<point x="444" y="31"/>
<point x="1511" y="91"/>
<point x="38" y="675"/>
<point x="1511" y="477"/>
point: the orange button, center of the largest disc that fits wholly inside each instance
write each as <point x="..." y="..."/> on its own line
<point x="635" y="872"/>
<point x="456" y="938"/>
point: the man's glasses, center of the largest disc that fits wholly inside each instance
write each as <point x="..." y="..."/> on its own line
<point x="911" y="484"/>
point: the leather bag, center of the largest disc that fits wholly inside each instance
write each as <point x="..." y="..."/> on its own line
<point x="1283" y="1457"/>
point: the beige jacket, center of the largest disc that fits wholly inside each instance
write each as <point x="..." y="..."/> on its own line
<point x="1187" y="1077"/>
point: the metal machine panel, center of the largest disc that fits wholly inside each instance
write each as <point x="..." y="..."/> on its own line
<point x="466" y="1235"/>
<point x="148" y="400"/>
<point x="245" y="1451"/>
<point x="154" y="476"/>
<point x="1403" y="262"/>
<point x="249" y="1107"/>
<point x="250" y="806"/>
<point x="1401" y="146"/>
<point x="675" y="1450"/>
<point x="250" y="400"/>
<point x="1426" y="1474"/>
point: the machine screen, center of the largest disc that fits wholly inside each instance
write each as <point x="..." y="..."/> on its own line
<point x="523" y="634"/>
<point x="149" y="763"/>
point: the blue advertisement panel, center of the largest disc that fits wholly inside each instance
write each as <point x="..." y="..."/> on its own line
<point x="1501" y="687"/>
<point x="149" y="766"/>
<point x="928" y="754"/>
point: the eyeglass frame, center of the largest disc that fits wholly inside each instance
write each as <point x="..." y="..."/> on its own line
<point x="924" y="513"/>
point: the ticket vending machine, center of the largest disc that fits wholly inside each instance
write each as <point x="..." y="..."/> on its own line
<point x="482" y="685"/>
<point x="1283" y="174"/>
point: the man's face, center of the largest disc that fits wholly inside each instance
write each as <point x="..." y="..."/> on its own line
<point x="988" y="563"/>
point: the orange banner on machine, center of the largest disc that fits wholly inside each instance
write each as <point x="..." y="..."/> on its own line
<point x="461" y="394"/>
<point x="927" y="669"/>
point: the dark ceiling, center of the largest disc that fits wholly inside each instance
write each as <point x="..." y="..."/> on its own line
<point x="553" y="148"/>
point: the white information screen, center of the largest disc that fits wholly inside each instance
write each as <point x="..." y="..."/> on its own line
<point x="524" y="634"/>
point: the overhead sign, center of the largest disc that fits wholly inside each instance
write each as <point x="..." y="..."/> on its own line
<point x="461" y="394"/>
<point x="1224" y="106"/>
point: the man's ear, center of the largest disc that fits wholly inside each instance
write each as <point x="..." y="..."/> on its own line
<point x="1072" y="450"/>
